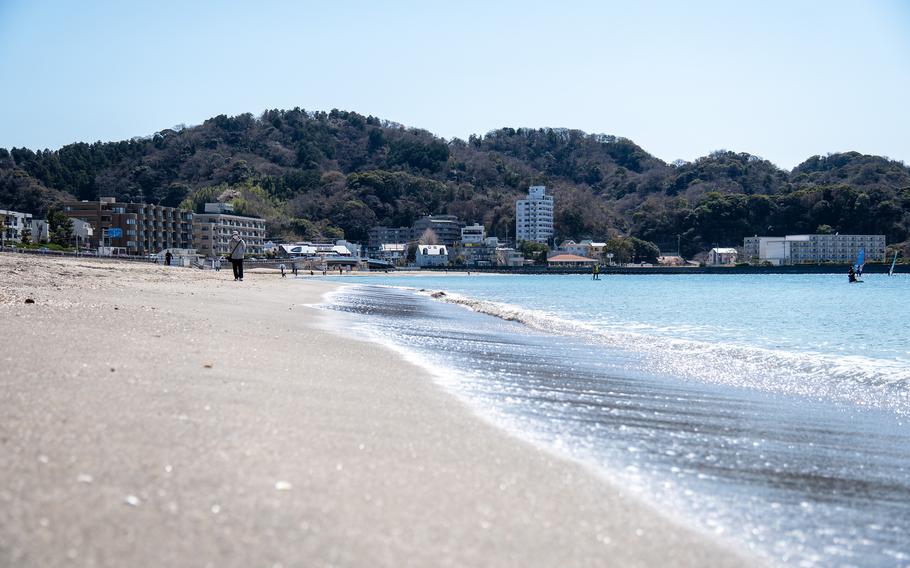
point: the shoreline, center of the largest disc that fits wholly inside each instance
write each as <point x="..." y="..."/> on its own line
<point x="162" y="416"/>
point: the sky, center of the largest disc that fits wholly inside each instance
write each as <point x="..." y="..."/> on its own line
<point x="784" y="80"/>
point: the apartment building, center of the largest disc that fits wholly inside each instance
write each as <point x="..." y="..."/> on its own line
<point x="813" y="249"/>
<point x="473" y="234"/>
<point x="139" y="228"/>
<point x="534" y="216"/>
<point x="12" y="225"/>
<point x="212" y="230"/>
<point x="447" y="228"/>
<point x="379" y="236"/>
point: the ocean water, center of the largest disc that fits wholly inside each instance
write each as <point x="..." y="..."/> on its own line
<point x="770" y="410"/>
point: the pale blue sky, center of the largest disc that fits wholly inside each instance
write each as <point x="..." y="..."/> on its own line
<point x="781" y="79"/>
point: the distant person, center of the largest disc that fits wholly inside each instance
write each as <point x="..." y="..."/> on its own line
<point x="340" y="270"/>
<point x="595" y="272"/>
<point x="238" y="248"/>
<point x="852" y="275"/>
<point x="281" y="267"/>
<point x="294" y="269"/>
<point x="167" y="258"/>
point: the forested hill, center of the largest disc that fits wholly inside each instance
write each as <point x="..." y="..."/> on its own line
<point x="315" y="174"/>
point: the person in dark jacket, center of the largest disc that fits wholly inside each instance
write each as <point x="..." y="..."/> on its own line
<point x="237" y="249"/>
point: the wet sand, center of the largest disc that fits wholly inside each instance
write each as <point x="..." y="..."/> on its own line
<point x="160" y="416"/>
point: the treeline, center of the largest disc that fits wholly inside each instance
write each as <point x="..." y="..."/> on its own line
<point x="338" y="173"/>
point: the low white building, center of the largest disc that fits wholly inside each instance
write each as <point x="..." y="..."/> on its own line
<point x="432" y="255"/>
<point x="179" y="257"/>
<point x="396" y="253"/>
<point x="473" y="234"/>
<point x="813" y="249"/>
<point x="41" y="231"/>
<point x="721" y="257"/>
<point x="587" y="248"/>
<point x="82" y="233"/>
<point x="355" y="249"/>
<point x="12" y="225"/>
<point x="506" y="256"/>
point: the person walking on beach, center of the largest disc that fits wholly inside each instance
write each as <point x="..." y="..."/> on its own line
<point x="238" y="249"/>
<point x="167" y="258"/>
<point x="294" y="269"/>
<point x="281" y="267"/>
<point x="595" y="271"/>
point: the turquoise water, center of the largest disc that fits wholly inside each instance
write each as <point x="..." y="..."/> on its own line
<point x="811" y="334"/>
<point x="819" y="313"/>
<point x="767" y="410"/>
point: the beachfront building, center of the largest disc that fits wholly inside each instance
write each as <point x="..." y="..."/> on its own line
<point x="82" y="233"/>
<point x="138" y="228"/>
<point x="473" y="234"/>
<point x="432" y="255"/>
<point x="509" y="257"/>
<point x="587" y="248"/>
<point x="212" y="230"/>
<point x="480" y="254"/>
<point x="721" y="256"/>
<point x="813" y="249"/>
<point x="534" y="216"/>
<point x="13" y="225"/>
<point x="378" y="236"/>
<point x="447" y="228"/>
<point x="322" y="256"/>
<point x="565" y="260"/>
<point x="394" y="253"/>
<point x="41" y="231"/>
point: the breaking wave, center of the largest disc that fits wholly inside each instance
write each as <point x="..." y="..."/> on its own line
<point x="858" y="380"/>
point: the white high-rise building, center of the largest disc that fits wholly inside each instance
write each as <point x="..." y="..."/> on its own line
<point x="534" y="216"/>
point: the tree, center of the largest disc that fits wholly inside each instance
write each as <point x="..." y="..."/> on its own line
<point x="621" y="248"/>
<point x="60" y="226"/>
<point x="535" y="251"/>
<point x="428" y="238"/>
<point x="644" y="251"/>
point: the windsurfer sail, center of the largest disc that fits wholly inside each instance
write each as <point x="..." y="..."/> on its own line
<point x="860" y="262"/>
<point x="893" y="262"/>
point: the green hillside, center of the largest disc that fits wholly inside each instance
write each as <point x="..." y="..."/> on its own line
<point x="313" y="174"/>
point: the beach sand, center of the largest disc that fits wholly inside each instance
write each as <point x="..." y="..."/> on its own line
<point x="158" y="416"/>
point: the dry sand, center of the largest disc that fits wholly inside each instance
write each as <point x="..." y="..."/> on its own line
<point x="158" y="416"/>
